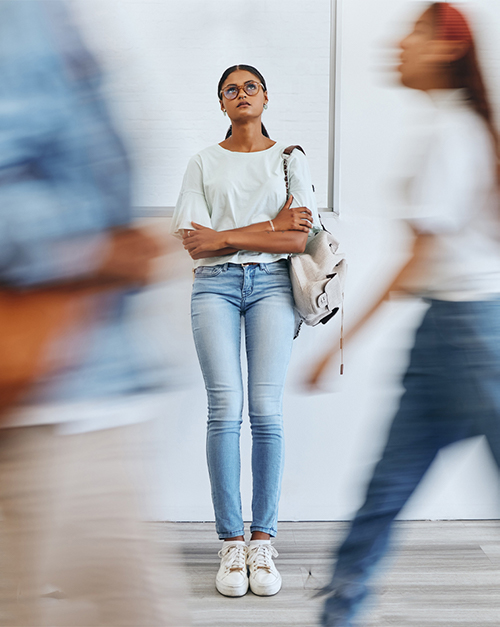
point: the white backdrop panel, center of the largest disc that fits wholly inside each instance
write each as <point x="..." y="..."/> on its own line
<point x="166" y="58"/>
<point x="166" y="98"/>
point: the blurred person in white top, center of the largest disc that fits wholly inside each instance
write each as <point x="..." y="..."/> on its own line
<point x="451" y="384"/>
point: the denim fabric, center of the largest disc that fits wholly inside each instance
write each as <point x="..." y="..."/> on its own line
<point x="262" y="295"/>
<point x="64" y="182"/>
<point x="452" y="392"/>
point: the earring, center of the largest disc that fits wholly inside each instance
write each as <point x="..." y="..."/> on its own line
<point x="224" y="111"/>
<point x="265" y="105"/>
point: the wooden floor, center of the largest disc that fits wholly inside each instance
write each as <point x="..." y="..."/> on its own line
<point x="442" y="574"/>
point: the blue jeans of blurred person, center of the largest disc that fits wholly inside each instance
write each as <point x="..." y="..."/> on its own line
<point x="452" y="392"/>
<point x="262" y="295"/>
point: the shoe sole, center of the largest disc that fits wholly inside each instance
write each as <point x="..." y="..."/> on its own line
<point x="266" y="591"/>
<point x="230" y="591"/>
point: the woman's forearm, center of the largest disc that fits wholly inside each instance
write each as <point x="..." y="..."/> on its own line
<point x="266" y="241"/>
<point x="296" y="219"/>
<point x="259" y="227"/>
<point x="202" y="240"/>
<point x="217" y="253"/>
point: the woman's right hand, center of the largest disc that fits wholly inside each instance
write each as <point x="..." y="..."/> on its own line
<point x="293" y="218"/>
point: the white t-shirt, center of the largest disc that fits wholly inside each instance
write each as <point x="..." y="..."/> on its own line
<point x="226" y="190"/>
<point x="455" y="197"/>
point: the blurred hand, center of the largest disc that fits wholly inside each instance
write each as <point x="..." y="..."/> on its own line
<point x="130" y="257"/>
<point x="313" y="378"/>
<point x="293" y="218"/>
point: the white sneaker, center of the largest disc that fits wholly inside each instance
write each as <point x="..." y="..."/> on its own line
<point x="264" y="578"/>
<point x="232" y="578"/>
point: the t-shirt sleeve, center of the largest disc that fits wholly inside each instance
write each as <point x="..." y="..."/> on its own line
<point x="442" y="195"/>
<point x="301" y="187"/>
<point x="191" y="205"/>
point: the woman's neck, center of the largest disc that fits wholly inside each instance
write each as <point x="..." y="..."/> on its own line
<point x="437" y="81"/>
<point x="247" y="137"/>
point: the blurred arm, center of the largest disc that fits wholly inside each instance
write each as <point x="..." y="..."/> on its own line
<point x="411" y="274"/>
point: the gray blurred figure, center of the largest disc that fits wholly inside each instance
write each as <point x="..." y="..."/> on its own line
<point x="452" y="385"/>
<point x="70" y="523"/>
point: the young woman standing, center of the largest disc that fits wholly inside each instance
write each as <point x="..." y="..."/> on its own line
<point x="239" y="227"/>
<point x="451" y="385"/>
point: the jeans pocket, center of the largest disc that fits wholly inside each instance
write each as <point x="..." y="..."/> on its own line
<point x="205" y="272"/>
<point x="276" y="267"/>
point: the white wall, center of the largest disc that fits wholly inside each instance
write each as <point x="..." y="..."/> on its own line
<point x="334" y="438"/>
<point x="166" y="59"/>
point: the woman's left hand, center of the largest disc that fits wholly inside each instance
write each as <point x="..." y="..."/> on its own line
<point x="293" y="218"/>
<point x="202" y="240"/>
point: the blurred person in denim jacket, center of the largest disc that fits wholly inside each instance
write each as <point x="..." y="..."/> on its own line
<point x="68" y="501"/>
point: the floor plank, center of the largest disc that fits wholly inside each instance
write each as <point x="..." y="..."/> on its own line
<point x="442" y="574"/>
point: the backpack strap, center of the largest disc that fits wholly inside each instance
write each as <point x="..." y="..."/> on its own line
<point x="288" y="151"/>
<point x="286" y="155"/>
<point x="342" y="335"/>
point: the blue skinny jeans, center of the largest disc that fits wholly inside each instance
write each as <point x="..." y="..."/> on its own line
<point x="452" y="392"/>
<point x="261" y="295"/>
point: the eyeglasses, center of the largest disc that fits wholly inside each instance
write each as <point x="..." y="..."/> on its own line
<point x="251" y="88"/>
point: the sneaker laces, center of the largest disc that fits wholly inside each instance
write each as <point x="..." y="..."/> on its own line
<point x="234" y="556"/>
<point x="261" y="556"/>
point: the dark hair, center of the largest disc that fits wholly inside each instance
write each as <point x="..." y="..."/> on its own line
<point x="230" y="70"/>
<point x="466" y="74"/>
